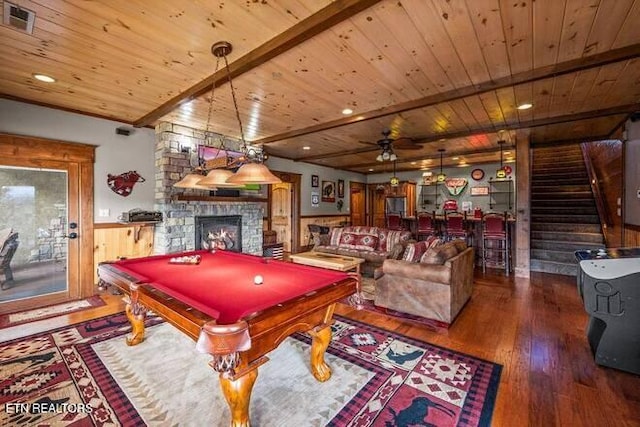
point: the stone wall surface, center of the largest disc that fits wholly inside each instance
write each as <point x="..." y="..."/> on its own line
<point x="176" y="155"/>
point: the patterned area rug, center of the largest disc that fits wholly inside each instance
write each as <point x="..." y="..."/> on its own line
<point x="86" y="375"/>
<point x="21" y="317"/>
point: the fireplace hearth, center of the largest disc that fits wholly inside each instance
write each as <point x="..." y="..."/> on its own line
<point x="219" y="232"/>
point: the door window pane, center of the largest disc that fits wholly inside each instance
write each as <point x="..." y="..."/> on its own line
<point x="33" y="225"/>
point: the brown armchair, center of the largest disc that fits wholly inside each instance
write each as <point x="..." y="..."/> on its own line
<point x="8" y="245"/>
<point x="435" y="288"/>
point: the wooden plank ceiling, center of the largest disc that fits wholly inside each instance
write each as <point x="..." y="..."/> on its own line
<point x="436" y="73"/>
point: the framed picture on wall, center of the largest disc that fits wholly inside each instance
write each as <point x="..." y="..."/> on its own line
<point x="315" y="181"/>
<point x="328" y="191"/>
<point x="480" y="191"/>
<point x="340" y="188"/>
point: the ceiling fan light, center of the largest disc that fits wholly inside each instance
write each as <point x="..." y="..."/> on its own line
<point x="393" y="157"/>
<point x="386" y="155"/>
<point x="379" y="158"/>
<point x="253" y="173"/>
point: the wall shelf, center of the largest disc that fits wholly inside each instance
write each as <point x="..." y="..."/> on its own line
<point x="430" y="196"/>
<point x="500" y="193"/>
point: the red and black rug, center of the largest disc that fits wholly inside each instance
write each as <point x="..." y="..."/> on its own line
<point x="84" y="375"/>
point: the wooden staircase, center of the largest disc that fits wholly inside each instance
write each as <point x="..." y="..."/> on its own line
<point x="564" y="217"/>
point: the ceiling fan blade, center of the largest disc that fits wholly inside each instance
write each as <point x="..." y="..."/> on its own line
<point x="406" y="144"/>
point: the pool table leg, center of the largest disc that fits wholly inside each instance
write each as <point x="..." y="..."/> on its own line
<point x="321" y="338"/>
<point x="238" y="394"/>
<point x="136" y="313"/>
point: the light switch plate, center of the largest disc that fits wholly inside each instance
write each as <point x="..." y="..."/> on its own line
<point x="103" y="212"/>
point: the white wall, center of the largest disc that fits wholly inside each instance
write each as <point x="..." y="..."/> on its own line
<point x="115" y="153"/>
<point x="458" y="172"/>
<point x="324" y="173"/>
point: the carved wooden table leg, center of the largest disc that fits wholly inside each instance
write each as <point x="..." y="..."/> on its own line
<point x="321" y="335"/>
<point x="238" y="395"/>
<point x="136" y="313"/>
<point x="321" y="339"/>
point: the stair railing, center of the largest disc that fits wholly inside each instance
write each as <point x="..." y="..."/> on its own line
<point x="601" y="206"/>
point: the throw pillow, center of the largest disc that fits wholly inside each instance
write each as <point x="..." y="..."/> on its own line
<point x="433" y="256"/>
<point x="449" y="250"/>
<point x="460" y="245"/>
<point x="361" y="242"/>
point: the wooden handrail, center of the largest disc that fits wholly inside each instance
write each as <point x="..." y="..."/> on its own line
<point x="594" y="182"/>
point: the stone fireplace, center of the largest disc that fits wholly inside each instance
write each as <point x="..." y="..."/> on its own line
<point x="219" y="232"/>
<point x="175" y="146"/>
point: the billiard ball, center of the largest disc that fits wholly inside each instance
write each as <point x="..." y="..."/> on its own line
<point x="258" y="280"/>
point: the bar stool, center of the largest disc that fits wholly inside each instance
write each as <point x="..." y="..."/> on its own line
<point x="495" y="242"/>
<point x="394" y="222"/>
<point x="454" y="224"/>
<point x="426" y="225"/>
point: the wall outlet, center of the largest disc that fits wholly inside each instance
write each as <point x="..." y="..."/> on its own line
<point x="103" y="213"/>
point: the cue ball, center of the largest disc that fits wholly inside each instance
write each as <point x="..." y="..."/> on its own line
<point x="258" y="280"/>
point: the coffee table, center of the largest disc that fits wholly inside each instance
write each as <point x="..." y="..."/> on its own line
<point x="334" y="262"/>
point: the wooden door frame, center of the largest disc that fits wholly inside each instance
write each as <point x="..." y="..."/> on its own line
<point x="295" y="179"/>
<point x="363" y="188"/>
<point x="77" y="159"/>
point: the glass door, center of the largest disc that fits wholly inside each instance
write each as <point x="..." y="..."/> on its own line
<point x="34" y="234"/>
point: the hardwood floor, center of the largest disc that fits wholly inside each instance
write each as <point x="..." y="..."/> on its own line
<point x="534" y="327"/>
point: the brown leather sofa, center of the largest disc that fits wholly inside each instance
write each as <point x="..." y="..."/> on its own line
<point x="436" y="287"/>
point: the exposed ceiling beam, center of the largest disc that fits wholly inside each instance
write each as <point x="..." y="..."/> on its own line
<point x="623" y="109"/>
<point x="329" y="16"/>
<point x="338" y="154"/>
<point x="434" y="157"/>
<point x="572" y="66"/>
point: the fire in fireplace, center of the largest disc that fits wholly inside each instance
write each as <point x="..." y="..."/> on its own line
<point x="219" y="232"/>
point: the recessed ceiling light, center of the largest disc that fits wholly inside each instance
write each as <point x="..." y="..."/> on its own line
<point x="347" y="111"/>
<point x="455" y="158"/>
<point x="413" y="163"/>
<point x="44" y="78"/>
<point x="525" y="106"/>
<point x="442" y="139"/>
<point x="306" y="147"/>
<point x="370" y="170"/>
<point x="506" y="153"/>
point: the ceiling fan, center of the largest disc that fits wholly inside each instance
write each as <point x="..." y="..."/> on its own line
<point x="388" y="144"/>
<point x="402" y="143"/>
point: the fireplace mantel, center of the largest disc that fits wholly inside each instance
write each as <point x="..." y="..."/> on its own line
<point x="202" y="198"/>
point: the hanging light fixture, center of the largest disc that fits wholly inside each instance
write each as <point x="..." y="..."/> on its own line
<point x="441" y="176"/>
<point x="394" y="181"/>
<point x="253" y="171"/>
<point x="501" y="173"/>
<point x="192" y="180"/>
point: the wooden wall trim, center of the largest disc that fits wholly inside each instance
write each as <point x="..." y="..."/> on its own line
<point x="324" y="215"/>
<point x="633" y="227"/>
<point x="31" y="148"/>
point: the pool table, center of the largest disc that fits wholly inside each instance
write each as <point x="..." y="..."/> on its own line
<point x="236" y="307"/>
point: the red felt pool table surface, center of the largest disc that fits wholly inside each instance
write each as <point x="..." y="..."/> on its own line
<point x="222" y="285"/>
